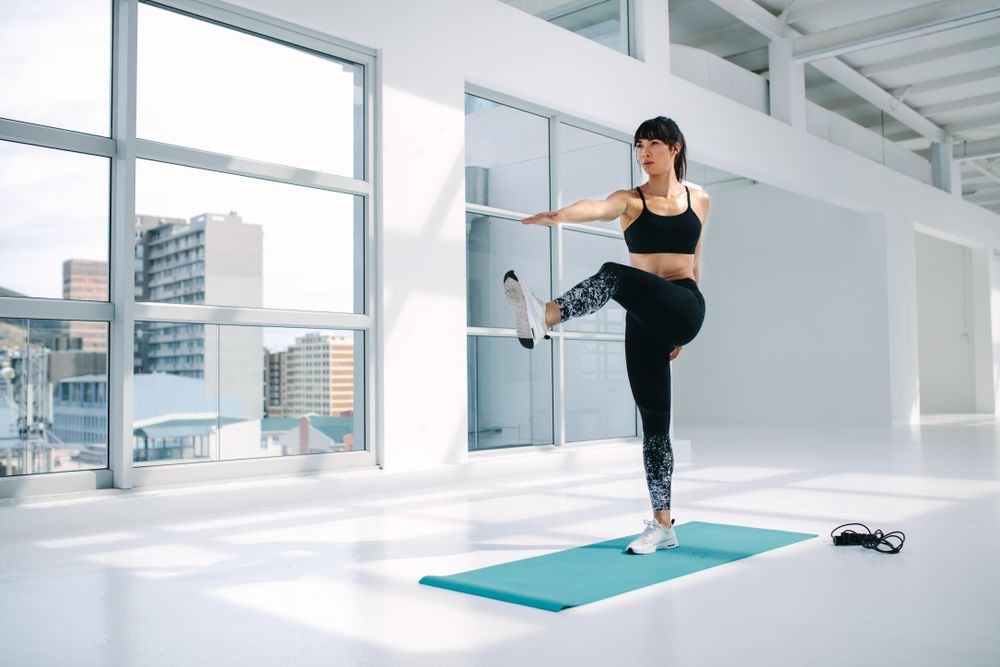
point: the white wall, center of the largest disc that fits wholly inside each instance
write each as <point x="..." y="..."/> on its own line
<point x="428" y="51"/>
<point x="795" y="329"/>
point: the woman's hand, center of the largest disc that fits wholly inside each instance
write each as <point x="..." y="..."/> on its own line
<point x="673" y="355"/>
<point x="546" y="218"/>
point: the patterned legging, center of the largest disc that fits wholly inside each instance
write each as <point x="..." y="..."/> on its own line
<point x="660" y="315"/>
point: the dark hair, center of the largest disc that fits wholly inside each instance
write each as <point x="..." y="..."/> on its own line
<point x="665" y="130"/>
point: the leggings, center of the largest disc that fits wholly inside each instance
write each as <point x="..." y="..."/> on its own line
<point x="660" y="315"/>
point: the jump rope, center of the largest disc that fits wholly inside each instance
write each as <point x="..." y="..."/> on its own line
<point x="869" y="540"/>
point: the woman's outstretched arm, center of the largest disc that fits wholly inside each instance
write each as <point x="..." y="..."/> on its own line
<point x="585" y="210"/>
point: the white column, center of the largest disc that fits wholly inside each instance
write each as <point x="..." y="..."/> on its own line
<point x="787" y="85"/>
<point x="652" y="32"/>
<point x="984" y="273"/>
<point x="992" y="326"/>
<point x="904" y="360"/>
<point x="941" y="166"/>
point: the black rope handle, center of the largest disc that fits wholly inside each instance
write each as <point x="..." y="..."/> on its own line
<point x="868" y="539"/>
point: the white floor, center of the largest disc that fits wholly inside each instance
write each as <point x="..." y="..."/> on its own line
<point x="336" y="583"/>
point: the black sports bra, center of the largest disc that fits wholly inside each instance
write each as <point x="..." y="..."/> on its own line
<point x="652" y="232"/>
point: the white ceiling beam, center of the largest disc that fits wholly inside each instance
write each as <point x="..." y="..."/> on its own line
<point x="757" y="18"/>
<point x="988" y="190"/>
<point x="709" y="38"/>
<point x="961" y="104"/>
<point x="977" y="150"/>
<point x="985" y="202"/>
<point x="992" y="120"/>
<point x="981" y="194"/>
<point x="934" y="55"/>
<point x="932" y="85"/>
<point x="783" y="16"/>
<point x="951" y="81"/>
<point x="988" y="173"/>
<point x="910" y="60"/>
<point x="889" y="28"/>
<point x="975" y="184"/>
<point x="765" y="23"/>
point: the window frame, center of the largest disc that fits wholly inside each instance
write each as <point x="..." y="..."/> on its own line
<point x="121" y="312"/>
<point x="556" y="235"/>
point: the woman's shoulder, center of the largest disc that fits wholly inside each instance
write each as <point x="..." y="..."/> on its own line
<point x="697" y="191"/>
<point x="628" y="196"/>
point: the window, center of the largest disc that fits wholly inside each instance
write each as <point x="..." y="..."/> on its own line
<point x="220" y="405"/>
<point x="52" y="405"/>
<point x="238" y="94"/>
<point x="248" y="239"/>
<point x="69" y="89"/>
<point x="604" y="21"/>
<point x="513" y="392"/>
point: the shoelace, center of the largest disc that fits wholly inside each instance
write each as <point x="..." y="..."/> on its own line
<point x="651" y="527"/>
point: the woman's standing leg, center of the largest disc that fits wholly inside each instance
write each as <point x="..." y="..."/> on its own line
<point x="647" y="361"/>
<point x="659" y="316"/>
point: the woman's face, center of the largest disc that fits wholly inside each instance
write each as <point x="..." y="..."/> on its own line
<point x="655" y="156"/>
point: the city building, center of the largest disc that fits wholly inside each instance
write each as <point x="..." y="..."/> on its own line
<point x="87" y="279"/>
<point x="210" y="259"/>
<point x="276" y="381"/>
<point x="319" y="378"/>
<point x="309" y="434"/>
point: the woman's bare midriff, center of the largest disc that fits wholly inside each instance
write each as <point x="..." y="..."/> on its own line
<point x="668" y="265"/>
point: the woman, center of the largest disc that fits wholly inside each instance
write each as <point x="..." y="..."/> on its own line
<point x="662" y="221"/>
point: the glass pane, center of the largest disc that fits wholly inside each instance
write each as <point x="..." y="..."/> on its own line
<point x="513" y="393"/>
<point x="493" y="247"/>
<point x="55" y="63"/>
<point x="54" y="207"/>
<point x="583" y="255"/>
<point x="599" y="21"/>
<point x="211" y="392"/>
<point x="311" y="393"/>
<point x="238" y="241"/>
<point x="176" y="405"/>
<point x="599" y="401"/>
<point x="592" y="166"/>
<point x="506" y="157"/>
<point x="240" y="94"/>
<point x="53" y="396"/>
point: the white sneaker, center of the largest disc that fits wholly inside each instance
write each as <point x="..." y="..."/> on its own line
<point x="656" y="536"/>
<point x="529" y="311"/>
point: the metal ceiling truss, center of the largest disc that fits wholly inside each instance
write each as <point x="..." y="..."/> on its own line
<point x="889" y="28"/>
<point x="880" y="30"/>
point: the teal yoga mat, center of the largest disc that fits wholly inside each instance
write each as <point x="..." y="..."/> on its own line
<point x="584" y="574"/>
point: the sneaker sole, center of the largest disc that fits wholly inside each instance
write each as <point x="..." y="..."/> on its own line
<point x="672" y="546"/>
<point x="525" y="323"/>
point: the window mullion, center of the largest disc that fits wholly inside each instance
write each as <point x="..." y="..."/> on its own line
<point x="120" y="344"/>
<point x="558" y="357"/>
